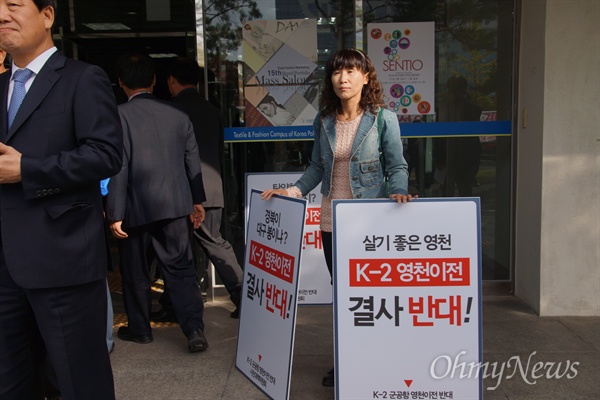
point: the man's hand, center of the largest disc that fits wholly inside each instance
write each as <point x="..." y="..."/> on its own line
<point x="10" y="164"/>
<point x="115" y="229"/>
<point x="197" y="216"/>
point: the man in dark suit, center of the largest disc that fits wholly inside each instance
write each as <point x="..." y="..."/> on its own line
<point x="65" y="137"/>
<point x="149" y="201"/>
<point x="183" y="76"/>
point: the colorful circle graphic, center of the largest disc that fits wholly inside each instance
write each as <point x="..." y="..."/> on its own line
<point x="405" y="101"/>
<point x="404" y="43"/>
<point x="387" y="37"/>
<point x="387" y="50"/>
<point x="376" y="33"/>
<point x="397" y="34"/>
<point x="424" y="107"/>
<point x="417" y="97"/>
<point x="396" y="90"/>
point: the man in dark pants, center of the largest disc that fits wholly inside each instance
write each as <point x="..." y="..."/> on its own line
<point x="183" y="76"/>
<point x="60" y="137"/>
<point x="149" y="201"/>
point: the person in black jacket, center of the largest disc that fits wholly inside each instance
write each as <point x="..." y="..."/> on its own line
<point x="54" y="257"/>
<point x="183" y="75"/>
<point x="150" y="200"/>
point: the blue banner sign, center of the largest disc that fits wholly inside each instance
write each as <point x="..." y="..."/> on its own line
<point x="409" y="130"/>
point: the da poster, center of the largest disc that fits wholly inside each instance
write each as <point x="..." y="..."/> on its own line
<point x="280" y="72"/>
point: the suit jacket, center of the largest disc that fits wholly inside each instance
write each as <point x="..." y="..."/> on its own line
<point x="68" y="132"/>
<point x="208" y="128"/>
<point x="161" y="176"/>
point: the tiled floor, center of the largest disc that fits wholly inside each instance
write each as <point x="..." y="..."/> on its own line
<point x="164" y="369"/>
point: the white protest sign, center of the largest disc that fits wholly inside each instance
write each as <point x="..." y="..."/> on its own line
<point x="270" y="286"/>
<point x="407" y="298"/>
<point x="315" y="283"/>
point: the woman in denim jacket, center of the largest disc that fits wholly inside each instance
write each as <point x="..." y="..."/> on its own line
<point x="348" y="149"/>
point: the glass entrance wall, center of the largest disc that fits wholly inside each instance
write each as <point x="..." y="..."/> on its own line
<point x="474" y="57"/>
<point x="99" y="34"/>
<point x="474" y="43"/>
<point x="223" y="42"/>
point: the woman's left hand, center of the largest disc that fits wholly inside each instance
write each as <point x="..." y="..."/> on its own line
<point x="403" y="198"/>
<point x="267" y="194"/>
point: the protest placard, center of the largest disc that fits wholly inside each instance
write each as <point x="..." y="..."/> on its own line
<point x="407" y="298"/>
<point x="268" y="314"/>
<point x="314" y="286"/>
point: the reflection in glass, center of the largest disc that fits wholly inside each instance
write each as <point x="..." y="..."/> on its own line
<point x="474" y="62"/>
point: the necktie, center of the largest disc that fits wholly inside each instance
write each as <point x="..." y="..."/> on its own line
<point x="20" y="77"/>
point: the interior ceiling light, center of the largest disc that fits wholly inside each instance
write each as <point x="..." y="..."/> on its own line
<point x="163" y="55"/>
<point x="107" y="26"/>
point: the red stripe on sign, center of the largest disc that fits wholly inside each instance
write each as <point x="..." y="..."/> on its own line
<point x="313" y="216"/>
<point x="410" y="272"/>
<point x="273" y="262"/>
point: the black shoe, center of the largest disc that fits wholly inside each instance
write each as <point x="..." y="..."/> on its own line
<point x="235" y="313"/>
<point x="163" y="315"/>
<point x="329" y="378"/>
<point x="197" y="342"/>
<point x="124" y="334"/>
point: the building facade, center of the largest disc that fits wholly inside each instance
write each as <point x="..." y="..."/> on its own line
<point x="530" y="68"/>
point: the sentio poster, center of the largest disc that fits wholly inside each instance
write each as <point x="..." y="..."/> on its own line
<point x="270" y="288"/>
<point x="314" y="286"/>
<point x="403" y="54"/>
<point x="407" y="298"/>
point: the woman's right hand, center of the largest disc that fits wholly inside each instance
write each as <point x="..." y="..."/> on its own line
<point x="267" y="194"/>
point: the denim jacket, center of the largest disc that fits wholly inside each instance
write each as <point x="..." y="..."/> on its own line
<point x="366" y="172"/>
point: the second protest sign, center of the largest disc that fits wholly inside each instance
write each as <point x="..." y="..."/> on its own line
<point x="270" y="289"/>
